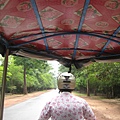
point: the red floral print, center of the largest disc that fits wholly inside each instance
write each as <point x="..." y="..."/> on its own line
<point x="67" y="107"/>
<point x="69" y="3"/>
<point x="112" y="4"/>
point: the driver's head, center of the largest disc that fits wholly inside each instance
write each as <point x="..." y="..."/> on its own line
<point x="66" y="82"/>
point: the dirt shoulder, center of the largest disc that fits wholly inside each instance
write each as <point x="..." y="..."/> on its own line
<point x="15" y="99"/>
<point x="104" y="109"/>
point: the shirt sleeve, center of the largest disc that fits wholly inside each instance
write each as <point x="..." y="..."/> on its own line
<point x="45" y="113"/>
<point x="88" y="113"/>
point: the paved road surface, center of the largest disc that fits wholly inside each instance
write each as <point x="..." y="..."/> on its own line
<point x="30" y="109"/>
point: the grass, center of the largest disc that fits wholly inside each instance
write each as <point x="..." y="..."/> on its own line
<point x="91" y="95"/>
<point x="79" y="94"/>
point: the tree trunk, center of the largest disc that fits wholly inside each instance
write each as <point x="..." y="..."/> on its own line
<point x="95" y="93"/>
<point x="112" y="92"/>
<point x="25" y="83"/>
<point x="88" y="90"/>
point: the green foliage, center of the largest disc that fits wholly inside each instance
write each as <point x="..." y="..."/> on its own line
<point x="104" y="78"/>
<point x="37" y="75"/>
<point x="1" y="74"/>
<point x="12" y="88"/>
<point x="14" y="77"/>
<point x="63" y="69"/>
<point x="1" y="60"/>
<point x="46" y="80"/>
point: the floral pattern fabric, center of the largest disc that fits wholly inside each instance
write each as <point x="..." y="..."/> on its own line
<point x="67" y="107"/>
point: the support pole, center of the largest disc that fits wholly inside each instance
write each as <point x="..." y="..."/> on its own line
<point x="3" y="84"/>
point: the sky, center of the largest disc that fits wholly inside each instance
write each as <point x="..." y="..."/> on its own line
<point x="55" y="65"/>
<point x="0" y="61"/>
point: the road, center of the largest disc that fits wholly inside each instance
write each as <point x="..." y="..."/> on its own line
<point x="30" y="109"/>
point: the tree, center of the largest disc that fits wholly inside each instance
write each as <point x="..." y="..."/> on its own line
<point x="1" y="74"/>
<point x="103" y="78"/>
<point x="110" y="79"/>
<point x="63" y="69"/>
<point x="14" y="76"/>
<point x="37" y="75"/>
<point x="32" y="67"/>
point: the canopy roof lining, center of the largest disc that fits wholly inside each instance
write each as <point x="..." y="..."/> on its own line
<point x="81" y="43"/>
